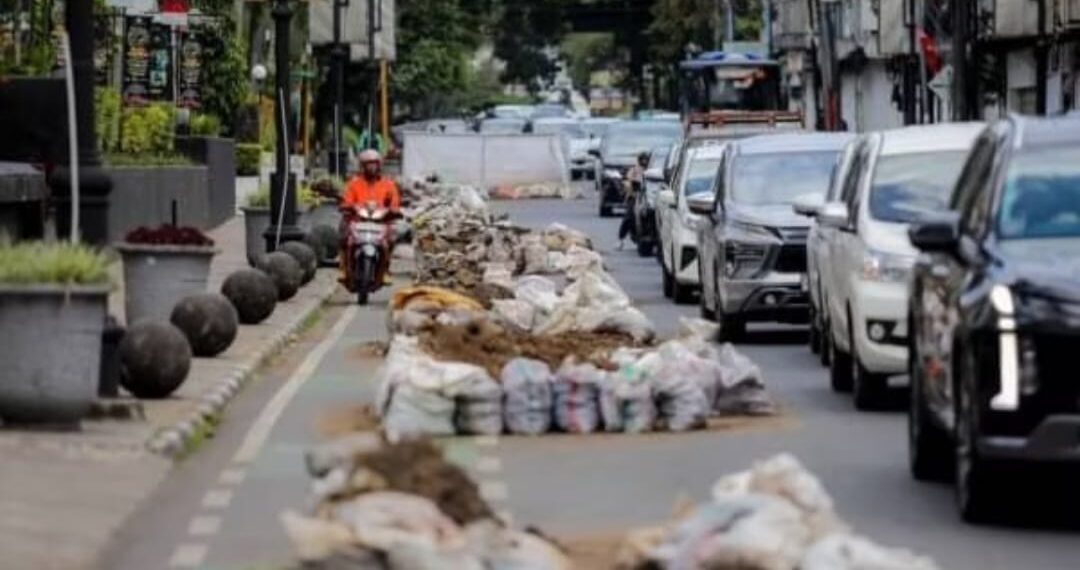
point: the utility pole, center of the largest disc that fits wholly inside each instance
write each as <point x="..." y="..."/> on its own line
<point x="1042" y="53"/>
<point x="339" y="55"/>
<point x="282" y="182"/>
<point x="729" y="19"/>
<point x="374" y="65"/>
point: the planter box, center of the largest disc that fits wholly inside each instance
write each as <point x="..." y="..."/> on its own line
<point x="245" y="187"/>
<point x="157" y="277"/>
<point x="51" y="351"/>
<point x="144" y="196"/>
<point x="219" y="156"/>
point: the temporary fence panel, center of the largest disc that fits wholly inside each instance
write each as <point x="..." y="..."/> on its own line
<point x="485" y="160"/>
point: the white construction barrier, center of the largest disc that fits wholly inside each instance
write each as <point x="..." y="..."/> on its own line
<point x="486" y="160"/>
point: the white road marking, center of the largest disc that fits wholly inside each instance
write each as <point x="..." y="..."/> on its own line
<point x="188" y="556"/>
<point x="233" y="476"/>
<point x="489" y="465"/>
<point x="260" y="430"/>
<point x="494" y="491"/>
<point x="486" y="440"/>
<point x="217" y="499"/>
<point x="207" y="525"/>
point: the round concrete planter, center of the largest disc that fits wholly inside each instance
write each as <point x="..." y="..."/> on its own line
<point x="51" y="351"/>
<point x="256" y="220"/>
<point x="157" y="277"/>
<point x="323" y="214"/>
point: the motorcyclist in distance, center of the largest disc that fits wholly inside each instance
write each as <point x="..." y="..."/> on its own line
<point x="369" y="185"/>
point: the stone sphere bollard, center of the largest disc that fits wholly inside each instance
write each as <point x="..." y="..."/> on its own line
<point x="208" y="320"/>
<point x="155" y="359"/>
<point x="286" y="273"/>
<point x="324" y="239"/>
<point x="305" y="256"/>
<point x="253" y="294"/>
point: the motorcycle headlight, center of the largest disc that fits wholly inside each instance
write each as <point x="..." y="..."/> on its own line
<point x="612" y="173"/>
<point x="886" y="267"/>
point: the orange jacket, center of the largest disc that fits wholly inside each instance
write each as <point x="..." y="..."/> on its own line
<point x="383" y="191"/>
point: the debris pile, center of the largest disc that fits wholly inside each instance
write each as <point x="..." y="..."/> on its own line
<point x="378" y="506"/>
<point x="775" y="516"/>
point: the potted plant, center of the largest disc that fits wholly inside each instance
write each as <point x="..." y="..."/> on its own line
<point x="325" y="196"/>
<point x="256" y="220"/>
<point x="161" y="267"/>
<point x="53" y="300"/>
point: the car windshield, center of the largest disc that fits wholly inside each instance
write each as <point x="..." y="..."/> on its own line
<point x="1042" y="195"/>
<point x="779" y="178"/>
<point x="639" y="138"/>
<point x="700" y="175"/>
<point x="907" y="186"/>
<point x="658" y="156"/>
<point x="572" y="130"/>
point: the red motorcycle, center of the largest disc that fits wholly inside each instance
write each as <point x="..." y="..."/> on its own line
<point x="369" y="233"/>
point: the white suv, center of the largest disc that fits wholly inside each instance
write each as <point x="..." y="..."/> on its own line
<point x="896" y="178"/>
<point x="678" y="225"/>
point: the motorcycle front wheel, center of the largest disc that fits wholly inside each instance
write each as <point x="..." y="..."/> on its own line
<point x="365" y="276"/>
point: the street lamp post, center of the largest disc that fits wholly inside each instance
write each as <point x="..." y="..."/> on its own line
<point x="339" y="55"/>
<point x="94" y="183"/>
<point x="282" y="183"/>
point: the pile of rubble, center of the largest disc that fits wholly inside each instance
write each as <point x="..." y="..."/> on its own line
<point x="776" y="516"/>
<point x="378" y="506"/>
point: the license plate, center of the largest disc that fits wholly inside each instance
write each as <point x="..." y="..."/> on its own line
<point x="369" y="227"/>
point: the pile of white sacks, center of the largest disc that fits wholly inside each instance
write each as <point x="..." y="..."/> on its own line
<point x="776" y="516"/>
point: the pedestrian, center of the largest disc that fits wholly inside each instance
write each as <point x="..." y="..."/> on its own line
<point x="632" y="187"/>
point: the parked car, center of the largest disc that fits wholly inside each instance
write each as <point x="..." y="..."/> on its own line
<point x="817" y="245"/>
<point x="511" y="111"/>
<point x="502" y="126"/>
<point x="645" y="232"/>
<point x="897" y="177"/>
<point x="752" y="244"/>
<point x="551" y="110"/>
<point x="995" y="318"/>
<point x="576" y="143"/>
<point x="622" y="144"/>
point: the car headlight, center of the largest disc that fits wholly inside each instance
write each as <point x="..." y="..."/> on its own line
<point x="612" y="173"/>
<point x="886" y="267"/>
<point x="692" y="222"/>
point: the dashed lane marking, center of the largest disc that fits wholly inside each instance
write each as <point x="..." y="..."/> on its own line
<point x="233" y="476"/>
<point x="188" y="556"/>
<point x="260" y="430"/>
<point x="206" y="525"/>
<point x="217" y="499"/>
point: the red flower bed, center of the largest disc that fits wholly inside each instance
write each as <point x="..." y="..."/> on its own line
<point x="168" y="235"/>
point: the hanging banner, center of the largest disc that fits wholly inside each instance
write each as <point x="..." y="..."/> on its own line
<point x="190" y="62"/>
<point x="148" y="68"/>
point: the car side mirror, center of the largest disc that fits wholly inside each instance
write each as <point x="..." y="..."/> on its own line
<point x="654" y="175"/>
<point x="939" y="236"/>
<point x="703" y="203"/>
<point x="808" y="205"/>
<point x="833" y="215"/>
<point x="666" y="198"/>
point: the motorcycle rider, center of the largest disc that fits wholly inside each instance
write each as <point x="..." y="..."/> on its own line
<point x="371" y="186"/>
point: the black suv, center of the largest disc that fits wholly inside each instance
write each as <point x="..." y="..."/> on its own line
<point x="619" y="151"/>
<point x="994" y="316"/>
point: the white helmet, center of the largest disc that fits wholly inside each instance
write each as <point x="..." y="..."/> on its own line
<point x="370" y="155"/>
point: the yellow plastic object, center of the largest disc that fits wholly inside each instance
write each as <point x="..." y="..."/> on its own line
<point x="438" y="296"/>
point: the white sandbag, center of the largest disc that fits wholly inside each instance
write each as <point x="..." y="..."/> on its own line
<point x="315" y="539"/>
<point x="690" y="327"/>
<point x="499" y="274"/>
<point x="419" y="399"/>
<point x="539" y="292"/>
<point x="630" y="393"/>
<point x="470" y="199"/>
<point x="683" y="359"/>
<point x="557" y="262"/>
<point x="576" y="392"/>
<point x="680" y="402"/>
<point x="559" y="237"/>
<point x="528" y="387"/>
<point x="595" y="290"/>
<point x="611" y="416"/>
<point x="580" y="261"/>
<point x="514" y="313"/>
<point x="743" y="388"/>
<point x="841" y="551"/>
<point x="400" y="355"/>
<point x="626" y="320"/>
<point x="478" y="407"/>
<point x="536" y="258"/>
<point x="502" y="548"/>
<point x="749" y="532"/>
<point x="416" y="412"/>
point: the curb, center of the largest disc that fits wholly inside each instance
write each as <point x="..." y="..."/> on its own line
<point x="171" y="441"/>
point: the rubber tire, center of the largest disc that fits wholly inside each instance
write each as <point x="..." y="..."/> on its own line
<point x="681" y="294"/>
<point x="365" y="275"/>
<point x="839" y="368"/>
<point x="826" y="339"/>
<point x="732" y="328"/>
<point x="815" y="334"/>
<point x="669" y="282"/>
<point x="868" y="390"/>
<point x="930" y="455"/>
<point x="980" y="484"/>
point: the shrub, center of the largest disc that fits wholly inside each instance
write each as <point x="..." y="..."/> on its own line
<point x="168" y="235"/>
<point x="148" y="129"/>
<point x="60" y="263"/>
<point x="248" y="157"/>
<point x="107" y="122"/>
<point x="328" y="187"/>
<point x="205" y="125"/>
<point x="306" y="197"/>
<point x="260" y="199"/>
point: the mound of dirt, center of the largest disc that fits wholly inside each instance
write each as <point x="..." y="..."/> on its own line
<point x="491" y="346"/>
<point x="418" y="467"/>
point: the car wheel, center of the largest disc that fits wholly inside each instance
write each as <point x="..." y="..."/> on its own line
<point x="732" y="327"/>
<point x="929" y="454"/>
<point x="980" y="483"/>
<point x="826" y="339"/>
<point x="839" y="368"/>
<point x="669" y="282"/>
<point x="815" y="333"/>
<point x="868" y="389"/>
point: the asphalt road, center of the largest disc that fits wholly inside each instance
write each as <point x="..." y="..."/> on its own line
<point x="219" y="509"/>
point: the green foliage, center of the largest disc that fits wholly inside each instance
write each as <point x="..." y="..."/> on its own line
<point x="205" y="125"/>
<point x="148" y="130"/>
<point x="225" y="77"/>
<point x="586" y="54"/>
<point x="523" y="32"/>
<point x="58" y="263"/>
<point x="260" y="199"/>
<point x="107" y="108"/>
<point x="38" y="53"/>
<point x="677" y="23"/>
<point x="306" y="197"/>
<point x="248" y="157"/>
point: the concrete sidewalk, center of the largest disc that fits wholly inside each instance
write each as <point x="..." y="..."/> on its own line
<point x="65" y="493"/>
